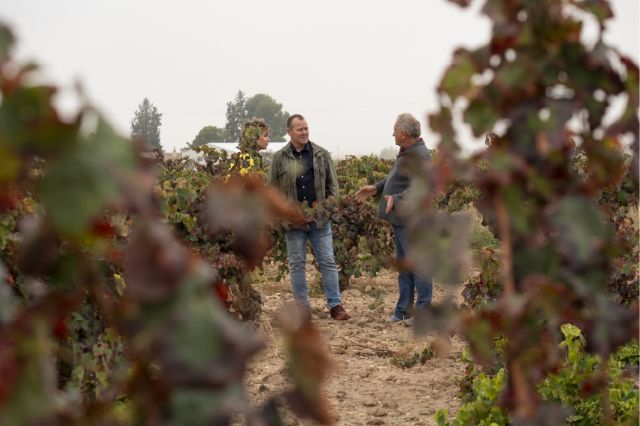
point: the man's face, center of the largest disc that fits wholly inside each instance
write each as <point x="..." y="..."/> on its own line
<point x="299" y="132"/>
<point x="399" y="136"/>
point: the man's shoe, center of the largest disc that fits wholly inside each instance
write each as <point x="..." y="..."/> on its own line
<point x="338" y="313"/>
<point x="306" y="313"/>
<point x="393" y="319"/>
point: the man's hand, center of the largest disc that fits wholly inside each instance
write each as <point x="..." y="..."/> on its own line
<point x="365" y="192"/>
<point x="389" y="199"/>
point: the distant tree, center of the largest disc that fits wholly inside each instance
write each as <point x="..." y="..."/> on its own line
<point x="264" y="106"/>
<point x="389" y="153"/>
<point x="210" y="134"/>
<point x="236" y="116"/>
<point x="146" y="123"/>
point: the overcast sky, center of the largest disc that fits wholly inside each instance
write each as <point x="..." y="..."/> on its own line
<point x="349" y="66"/>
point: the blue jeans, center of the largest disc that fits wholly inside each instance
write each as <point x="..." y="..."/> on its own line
<point x="409" y="282"/>
<point x="322" y="244"/>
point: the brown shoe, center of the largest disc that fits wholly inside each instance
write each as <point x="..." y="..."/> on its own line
<point x="338" y="313"/>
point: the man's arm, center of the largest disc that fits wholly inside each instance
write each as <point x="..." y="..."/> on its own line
<point x="370" y="190"/>
<point x="398" y="198"/>
<point x="380" y="186"/>
<point x="273" y="170"/>
<point x="332" y="178"/>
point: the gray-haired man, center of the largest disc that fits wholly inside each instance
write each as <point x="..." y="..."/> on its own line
<point x="393" y="188"/>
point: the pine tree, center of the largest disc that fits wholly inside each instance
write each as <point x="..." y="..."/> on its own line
<point x="146" y="123"/>
<point x="236" y="116"/>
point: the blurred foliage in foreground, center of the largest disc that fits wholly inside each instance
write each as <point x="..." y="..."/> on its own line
<point x="541" y="96"/>
<point x="105" y="318"/>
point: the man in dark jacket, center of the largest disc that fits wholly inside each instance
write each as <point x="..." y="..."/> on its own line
<point x="394" y="188"/>
<point x="304" y="172"/>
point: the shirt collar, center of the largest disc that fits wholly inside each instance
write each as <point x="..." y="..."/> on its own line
<point x="306" y="148"/>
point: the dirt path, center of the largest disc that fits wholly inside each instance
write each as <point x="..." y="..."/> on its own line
<point x="366" y="388"/>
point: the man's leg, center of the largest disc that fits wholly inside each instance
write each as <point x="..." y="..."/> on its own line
<point x="322" y="243"/>
<point x="410" y="309"/>
<point x="415" y="282"/>
<point x="405" y="278"/>
<point x="424" y="288"/>
<point x="297" y="253"/>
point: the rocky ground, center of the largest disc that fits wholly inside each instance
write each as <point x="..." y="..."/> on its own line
<point x="367" y="386"/>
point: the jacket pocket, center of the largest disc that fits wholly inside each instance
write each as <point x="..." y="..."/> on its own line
<point x="320" y="177"/>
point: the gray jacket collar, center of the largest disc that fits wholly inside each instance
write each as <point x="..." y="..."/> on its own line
<point x="413" y="147"/>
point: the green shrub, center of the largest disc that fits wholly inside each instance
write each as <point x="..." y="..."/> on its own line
<point x="576" y="384"/>
<point x="482" y="410"/>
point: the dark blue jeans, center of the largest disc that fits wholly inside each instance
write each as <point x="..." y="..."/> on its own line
<point x="409" y="283"/>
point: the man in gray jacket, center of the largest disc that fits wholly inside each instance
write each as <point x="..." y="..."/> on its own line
<point x="406" y="132"/>
<point x="304" y="172"/>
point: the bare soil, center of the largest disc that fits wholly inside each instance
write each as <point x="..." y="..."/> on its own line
<point x="366" y="386"/>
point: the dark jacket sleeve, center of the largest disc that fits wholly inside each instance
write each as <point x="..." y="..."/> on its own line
<point x="380" y="186"/>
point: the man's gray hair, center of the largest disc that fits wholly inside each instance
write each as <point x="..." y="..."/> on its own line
<point x="408" y="124"/>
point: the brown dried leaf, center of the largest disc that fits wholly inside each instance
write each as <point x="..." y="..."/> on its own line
<point x="246" y="207"/>
<point x="155" y="264"/>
